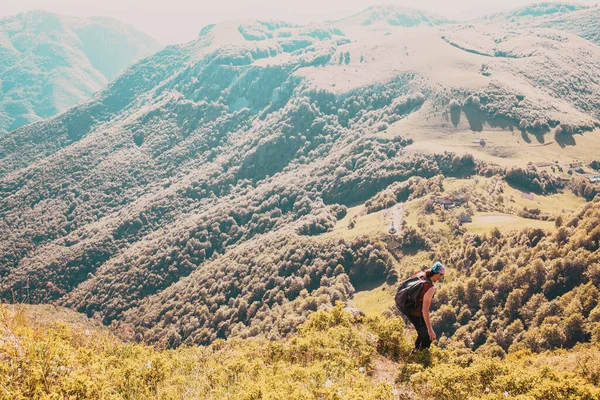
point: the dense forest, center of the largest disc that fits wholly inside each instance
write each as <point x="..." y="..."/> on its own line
<point x="523" y="290"/>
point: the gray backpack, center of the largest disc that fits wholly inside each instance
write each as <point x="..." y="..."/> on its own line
<point x="407" y="294"/>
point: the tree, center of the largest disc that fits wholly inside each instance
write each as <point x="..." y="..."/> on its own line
<point x="575" y="331"/>
<point x="514" y="303"/>
<point x="487" y="302"/>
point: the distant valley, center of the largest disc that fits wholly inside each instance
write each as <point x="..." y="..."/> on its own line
<point x="49" y="63"/>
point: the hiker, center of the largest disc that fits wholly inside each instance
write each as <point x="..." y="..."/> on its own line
<point x="413" y="299"/>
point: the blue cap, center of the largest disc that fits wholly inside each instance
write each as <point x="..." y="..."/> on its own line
<point x="438" y="268"/>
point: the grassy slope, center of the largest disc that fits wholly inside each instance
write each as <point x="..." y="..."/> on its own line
<point x="334" y="356"/>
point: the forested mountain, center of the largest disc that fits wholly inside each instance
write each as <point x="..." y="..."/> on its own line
<point x="189" y="198"/>
<point x="50" y="62"/>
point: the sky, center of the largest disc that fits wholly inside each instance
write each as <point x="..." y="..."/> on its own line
<point x="179" y="21"/>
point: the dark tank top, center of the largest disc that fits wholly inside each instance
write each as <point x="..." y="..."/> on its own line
<point x="419" y="304"/>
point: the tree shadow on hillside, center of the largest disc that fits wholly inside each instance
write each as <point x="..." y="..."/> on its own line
<point x="523" y="188"/>
<point x="477" y="119"/>
<point x="502" y="123"/>
<point x="539" y="136"/>
<point x="369" y="285"/>
<point x="455" y="115"/>
<point x="565" y="139"/>
<point x="411" y="250"/>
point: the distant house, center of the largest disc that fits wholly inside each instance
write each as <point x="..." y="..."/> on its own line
<point x="464" y="219"/>
<point x="446" y="202"/>
<point x="528" y="196"/>
<point x="561" y="178"/>
<point x="543" y="164"/>
<point x="579" y="170"/>
<point x="451" y="202"/>
<point x="593" y="178"/>
<point x="461" y="199"/>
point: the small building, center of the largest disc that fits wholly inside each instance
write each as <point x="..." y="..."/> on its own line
<point x="461" y="199"/>
<point x="561" y="178"/>
<point x="463" y="219"/>
<point x="528" y="196"/>
<point x="446" y="202"/>
<point x="579" y="170"/>
<point x="593" y="178"/>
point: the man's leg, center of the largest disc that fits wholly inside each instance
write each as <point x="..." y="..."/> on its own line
<point x="425" y="340"/>
<point x="418" y="322"/>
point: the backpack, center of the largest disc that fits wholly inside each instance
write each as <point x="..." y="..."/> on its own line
<point x="407" y="294"/>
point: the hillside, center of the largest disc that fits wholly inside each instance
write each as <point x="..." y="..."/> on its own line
<point x="49" y="62"/>
<point x="199" y="195"/>
<point x="571" y="18"/>
<point x="334" y="355"/>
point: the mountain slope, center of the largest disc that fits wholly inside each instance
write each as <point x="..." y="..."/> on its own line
<point x="572" y="18"/>
<point x="259" y="135"/>
<point x="50" y="62"/>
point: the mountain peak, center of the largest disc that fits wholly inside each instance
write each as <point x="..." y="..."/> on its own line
<point x="538" y="10"/>
<point x="396" y="16"/>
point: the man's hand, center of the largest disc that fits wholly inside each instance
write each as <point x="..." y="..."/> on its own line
<point x="432" y="335"/>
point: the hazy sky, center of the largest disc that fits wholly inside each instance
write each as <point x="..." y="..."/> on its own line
<point x="177" y="21"/>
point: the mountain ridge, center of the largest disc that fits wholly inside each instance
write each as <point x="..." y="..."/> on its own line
<point x="257" y="131"/>
<point x="63" y="60"/>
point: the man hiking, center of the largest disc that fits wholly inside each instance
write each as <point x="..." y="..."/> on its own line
<point x="413" y="299"/>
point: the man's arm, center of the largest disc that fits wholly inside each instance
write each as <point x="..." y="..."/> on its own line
<point x="426" y="304"/>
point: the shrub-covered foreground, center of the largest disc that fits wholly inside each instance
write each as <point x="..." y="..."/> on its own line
<point x="333" y="356"/>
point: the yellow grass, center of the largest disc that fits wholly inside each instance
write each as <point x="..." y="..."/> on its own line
<point x="560" y="203"/>
<point x="505" y="148"/>
<point x="366" y="224"/>
<point x="374" y="301"/>
<point x="485" y="222"/>
<point x="565" y="202"/>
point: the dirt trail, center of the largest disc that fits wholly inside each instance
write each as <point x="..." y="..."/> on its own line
<point x="393" y="216"/>
<point x="398" y="217"/>
<point x="385" y="370"/>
